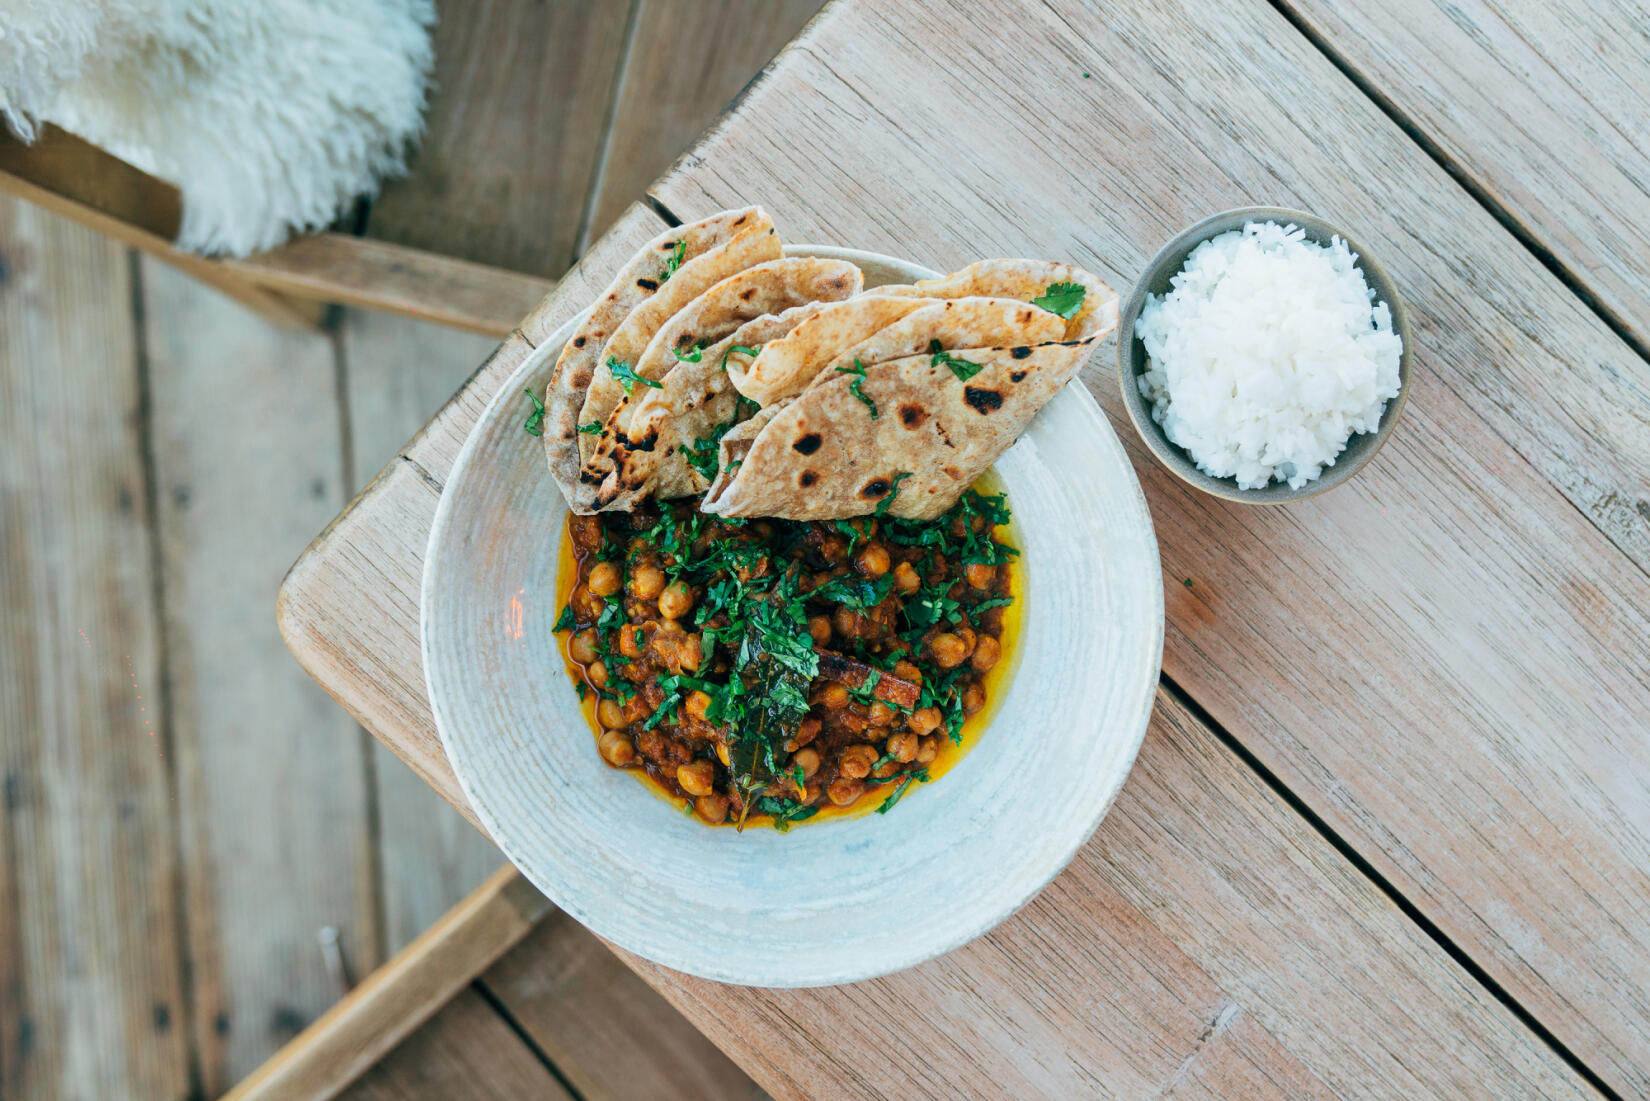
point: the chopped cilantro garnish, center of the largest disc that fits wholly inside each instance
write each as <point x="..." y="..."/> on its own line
<point x="919" y="776"/>
<point x="858" y="371"/>
<point x="674" y="260"/>
<point x="893" y="491"/>
<point x="535" y="419"/>
<point x="994" y="602"/>
<point x="627" y="376"/>
<point x="564" y="622"/>
<point x="692" y="355"/>
<point x="1064" y="299"/>
<point x="753" y="352"/>
<point x="962" y="368"/>
<point x="581" y="690"/>
<point x="590" y="429"/>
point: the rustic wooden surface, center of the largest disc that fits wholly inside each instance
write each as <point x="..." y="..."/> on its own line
<point x="1444" y="663"/>
<point x="114" y="859"/>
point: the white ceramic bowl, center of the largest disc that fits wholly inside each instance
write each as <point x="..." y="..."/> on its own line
<point x="833" y="901"/>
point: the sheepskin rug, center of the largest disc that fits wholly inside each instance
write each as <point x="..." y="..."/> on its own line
<point x="270" y="116"/>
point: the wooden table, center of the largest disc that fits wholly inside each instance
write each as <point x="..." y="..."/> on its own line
<point x="1390" y="829"/>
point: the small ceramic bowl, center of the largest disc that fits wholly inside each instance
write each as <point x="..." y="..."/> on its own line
<point x="1131" y="357"/>
<point x="828" y="902"/>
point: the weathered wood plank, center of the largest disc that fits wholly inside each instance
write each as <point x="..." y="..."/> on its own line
<point x="359" y="271"/>
<point x="466" y="1051"/>
<point x="1206" y="933"/>
<point x="522" y="92"/>
<point x="1542" y="106"/>
<point x="395" y="1000"/>
<point x="398" y="374"/>
<point x="272" y="789"/>
<point x="91" y="998"/>
<point x="609" y="1034"/>
<point x="687" y="61"/>
<point x="1444" y="659"/>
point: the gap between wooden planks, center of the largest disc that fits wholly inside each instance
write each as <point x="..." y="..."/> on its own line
<point x="1254" y="924"/>
<point x="1444" y="659"/>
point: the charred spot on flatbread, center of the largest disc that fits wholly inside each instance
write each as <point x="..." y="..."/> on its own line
<point x="875" y="489"/>
<point x="807" y="444"/>
<point x="578" y="342"/>
<point x="1020" y="351"/>
<point x="981" y="400"/>
<point x="806" y="479"/>
<point x="1016" y="376"/>
<point x="648" y="284"/>
<point x="912" y="415"/>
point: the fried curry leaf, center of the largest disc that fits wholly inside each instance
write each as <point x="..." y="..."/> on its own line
<point x="535" y="419"/>
<point x="858" y="371"/>
<point x="627" y="376"/>
<point x="1064" y="299"/>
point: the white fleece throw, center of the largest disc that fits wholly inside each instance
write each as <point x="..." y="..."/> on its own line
<point x="269" y="115"/>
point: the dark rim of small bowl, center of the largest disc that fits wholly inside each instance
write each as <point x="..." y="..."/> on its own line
<point x="1131" y="356"/>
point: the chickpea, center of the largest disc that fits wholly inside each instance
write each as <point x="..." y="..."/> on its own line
<point x="630" y="641"/>
<point x="907" y="671"/>
<point x="810" y="792"/>
<point x="808" y="731"/>
<point x="844" y="791"/>
<point x="849" y="623"/>
<point x="807" y="759"/>
<point x="610" y="714"/>
<point x="676" y="601"/>
<point x="636" y="709"/>
<point x="697" y="703"/>
<point x="835" y="696"/>
<point x="903" y="746"/>
<point x="597" y="672"/>
<point x="947" y="649"/>
<point x="832" y="549"/>
<point x="969" y="638"/>
<point x="973" y="698"/>
<point x="927" y="750"/>
<point x="585" y="604"/>
<point x="616" y="748"/>
<point x="582" y="646"/>
<point x="906" y="579"/>
<point x="667" y="645"/>
<point x="885" y="770"/>
<point x="691" y="653"/>
<point x="697" y="777"/>
<point x="647" y="582"/>
<point x="986" y="653"/>
<point x="872" y="561"/>
<point x="924" y="721"/>
<point x="712" y="808"/>
<point x="857" y="759"/>
<point x="819" y="629"/>
<point x="880" y="714"/>
<point x="722" y="753"/>
<point x="604" y="579"/>
<point x="980" y="575"/>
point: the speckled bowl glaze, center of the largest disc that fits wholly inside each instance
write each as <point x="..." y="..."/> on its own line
<point x="833" y="901"/>
<point x="1131" y="357"/>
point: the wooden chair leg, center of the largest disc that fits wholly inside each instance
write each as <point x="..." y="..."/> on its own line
<point x="401" y="995"/>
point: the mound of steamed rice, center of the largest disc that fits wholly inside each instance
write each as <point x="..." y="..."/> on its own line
<point x="1267" y="354"/>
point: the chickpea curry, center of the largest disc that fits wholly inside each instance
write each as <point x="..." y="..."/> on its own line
<point x="770" y="670"/>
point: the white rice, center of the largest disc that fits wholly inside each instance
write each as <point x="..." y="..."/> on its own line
<point x="1267" y="355"/>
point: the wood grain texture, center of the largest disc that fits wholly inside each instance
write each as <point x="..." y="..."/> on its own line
<point x="73" y="168"/>
<point x="523" y="90"/>
<point x="398" y="374"/>
<point x="1201" y="892"/>
<point x="272" y="789"/>
<point x="400" y="996"/>
<point x="467" y="1051"/>
<point x="376" y="275"/>
<point x="91" y="1004"/>
<point x="687" y="60"/>
<point x="1205" y="934"/>
<point x="1545" y="107"/>
<point x="609" y="1034"/>
<point x="1444" y="658"/>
